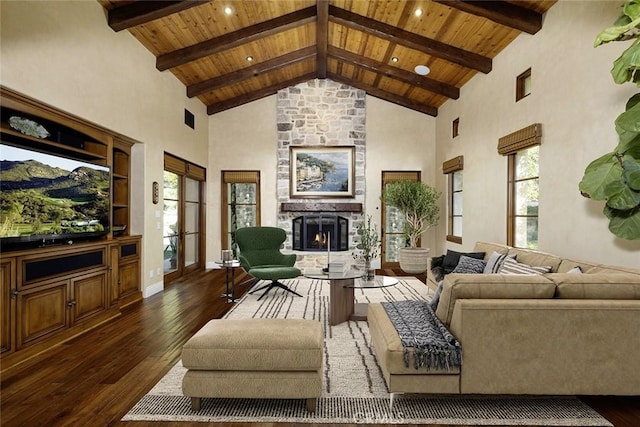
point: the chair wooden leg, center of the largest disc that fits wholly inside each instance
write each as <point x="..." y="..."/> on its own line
<point x="311" y="405"/>
<point x="195" y="403"/>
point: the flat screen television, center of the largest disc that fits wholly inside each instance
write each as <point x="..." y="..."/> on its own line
<point x="47" y="198"/>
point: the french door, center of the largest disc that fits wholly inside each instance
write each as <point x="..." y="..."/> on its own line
<point x="393" y="221"/>
<point x="183" y="217"/>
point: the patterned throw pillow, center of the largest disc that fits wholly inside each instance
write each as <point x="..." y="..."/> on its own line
<point x="468" y="265"/>
<point x="495" y="261"/>
<point x="452" y="258"/>
<point x="511" y="266"/>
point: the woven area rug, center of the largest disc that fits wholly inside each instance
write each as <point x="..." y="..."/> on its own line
<point x="354" y="389"/>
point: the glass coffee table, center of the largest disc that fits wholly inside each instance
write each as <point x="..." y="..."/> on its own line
<point x="342" y="305"/>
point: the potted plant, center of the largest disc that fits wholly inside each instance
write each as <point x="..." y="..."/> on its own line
<point x="615" y="176"/>
<point x="368" y="246"/>
<point x="418" y="203"/>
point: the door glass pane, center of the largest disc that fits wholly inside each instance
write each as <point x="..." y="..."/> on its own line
<point x="190" y="249"/>
<point x="191" y="217"/>
<point x="170" y="235"/>
<point x="394" y="220"/>
<point x="393" y="243"/>
<point x="170" y="190"/>
<point x="243" y="193"/>
<point x="191" y="189"/>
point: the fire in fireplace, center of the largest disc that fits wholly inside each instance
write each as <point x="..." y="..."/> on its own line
<point x="313" y="232"/>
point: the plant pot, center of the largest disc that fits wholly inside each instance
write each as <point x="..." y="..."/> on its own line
<point x="413" y="260"/>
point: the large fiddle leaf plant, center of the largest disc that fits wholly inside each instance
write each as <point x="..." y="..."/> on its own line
<point x="615" y="176"/>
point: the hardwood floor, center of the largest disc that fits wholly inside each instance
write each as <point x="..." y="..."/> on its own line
<point x="97" y="377"/>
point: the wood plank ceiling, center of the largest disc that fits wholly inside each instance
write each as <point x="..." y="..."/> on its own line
<point x="258" y="47"/>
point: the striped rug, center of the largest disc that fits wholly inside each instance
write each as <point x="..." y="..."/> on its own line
<point x="354" y="389"/>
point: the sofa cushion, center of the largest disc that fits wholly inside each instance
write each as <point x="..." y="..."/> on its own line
<point x="536" y="259"/>
<point x="596" y="286"/>
<point x="511" y="266"/>
<point x="568" y="264"/>
<point x="488" y="248"/>
<point x="612" y="269"/>
<point x="490" y="286"/>
<point x="468" y="265"/>
<point x="452" y="258"/>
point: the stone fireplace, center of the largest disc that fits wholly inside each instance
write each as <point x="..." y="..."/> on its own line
<point x="320" y="112"/>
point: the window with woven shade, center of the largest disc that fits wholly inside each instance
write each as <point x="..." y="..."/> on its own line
<point x="453" y="168"/>
<point x="240" y="203"/>
<point x="522" y="149"/>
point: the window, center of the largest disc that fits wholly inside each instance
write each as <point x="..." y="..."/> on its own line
<point x="523" y="85"/>
<point x="453" y="168"/>
<point x="240" y="203"/>
<point x="523" y="198"/>
<point x="522" y="149"/>
<point x="455" y="127"/>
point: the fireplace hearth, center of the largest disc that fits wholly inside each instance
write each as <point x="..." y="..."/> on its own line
<point x="313" y="232"/>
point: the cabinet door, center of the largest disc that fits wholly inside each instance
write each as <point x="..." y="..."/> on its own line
<point x="7" y="305"/>
<point x="89" y="295"/>
<point x="129" y="278"/>
<point x="41" y="311"/>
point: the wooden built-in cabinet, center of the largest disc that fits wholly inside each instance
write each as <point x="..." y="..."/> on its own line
<point x="52" y="293"/>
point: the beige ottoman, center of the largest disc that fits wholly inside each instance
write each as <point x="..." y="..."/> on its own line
<point x="254" y="358"/>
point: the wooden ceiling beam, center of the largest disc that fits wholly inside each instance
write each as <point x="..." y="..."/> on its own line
<point x="141" y="12"/>
<point x="426" y="83"/>
<point x="249" y="72"/>
<point x="258" y="94"/>
<point x="387" y="96"/>
<point x="236" y="38"/>
<point x="411" y="40"/>
<point x="507" y="14"/>
<point x="322" y="37"/>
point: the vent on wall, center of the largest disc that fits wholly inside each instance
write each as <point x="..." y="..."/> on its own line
<point x="189" y="119"/>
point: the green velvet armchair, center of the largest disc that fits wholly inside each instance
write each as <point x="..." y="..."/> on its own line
<point x="260" y="256"/>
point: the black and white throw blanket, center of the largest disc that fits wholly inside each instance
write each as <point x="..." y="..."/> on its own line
<point x="434" y="347"/>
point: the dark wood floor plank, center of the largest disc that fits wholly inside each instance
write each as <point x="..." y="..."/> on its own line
<point x="96" y="378"/>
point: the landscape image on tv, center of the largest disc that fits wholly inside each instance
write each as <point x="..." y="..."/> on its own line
<point x="43" y="195"/>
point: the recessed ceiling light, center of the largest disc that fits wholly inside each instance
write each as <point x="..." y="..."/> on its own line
<point x="418" y="12"/>
<point x="423" y="70"/>
<point x="249" y="58"/>
<point x="228" y="10"/>
<point x="395" y="59"/>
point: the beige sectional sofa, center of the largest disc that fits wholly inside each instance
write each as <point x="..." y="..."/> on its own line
<point x="554" y="334"/>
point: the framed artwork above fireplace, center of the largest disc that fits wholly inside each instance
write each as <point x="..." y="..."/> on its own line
<point x="322" y="172"/>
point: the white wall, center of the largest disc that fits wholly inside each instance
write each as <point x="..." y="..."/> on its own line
<point x="242" y="138"/>
<point x="575" y="100"/>
<point x="63" y="53"/>
<point x="398" y="139"/>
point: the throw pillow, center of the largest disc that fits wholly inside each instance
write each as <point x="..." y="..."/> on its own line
<point x="511" y="266"/>
<point x="436" y="297"/>
<point x="436" y="268"/>
<point x="468" y="265"/>
<point x="495" y="261"/>
<point x="452" y="258"/>
<point x="575" y="270"/>
<point x="436" y="261"/>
